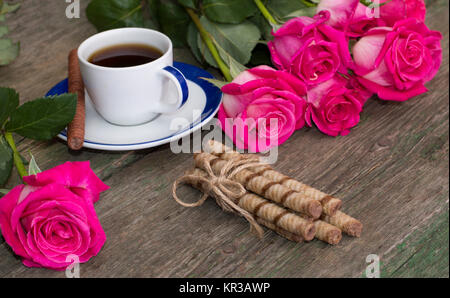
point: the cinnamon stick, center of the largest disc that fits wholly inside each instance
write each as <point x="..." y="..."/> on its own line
<point x="329" y="204"/>
<point x="75" y="130"/>
<point x="265" y="187"/>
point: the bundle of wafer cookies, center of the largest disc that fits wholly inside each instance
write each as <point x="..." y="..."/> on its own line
<point x="292" y="209"/>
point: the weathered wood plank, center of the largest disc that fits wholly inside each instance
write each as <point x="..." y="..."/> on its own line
<point x="391" y="172"/>
<point x="423" y="253"/>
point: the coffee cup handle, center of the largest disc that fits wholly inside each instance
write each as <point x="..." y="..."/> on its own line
<point x="180" y="82"/>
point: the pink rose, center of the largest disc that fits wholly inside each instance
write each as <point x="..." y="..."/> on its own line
<point x="362" y="21"/>
<point x="52" y="218"/>
<point x="350" y="16"/>
<point x="341" y="11"/>
<point x="255" y="99"/>
<point x="396" y="10"/>
<point x="335" y="105"/>
<point x="308" y="48"/>
<point x="396" y="62"/>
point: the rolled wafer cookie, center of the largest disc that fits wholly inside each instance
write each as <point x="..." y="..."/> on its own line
<point x="346" y="223"/>
<point x="264" y="187"/>
<point x="329" y="204"/>
<point x="327" y="233"/>
<point x="275" y="218"/>
<point x="267" y="211"/>
<point x="282" y="232"/>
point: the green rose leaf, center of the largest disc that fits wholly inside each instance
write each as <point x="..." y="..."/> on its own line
<point x="110" y="14"/>
<point x="33" y="168"/>
<point x="174" y="22"/>
<point x="43" y="118"/>
<point x="6" y="160"/>
<point x="3" y="31"/>
<point x="189" y="3"/>
<point x="3" y="191"/>
<point x="9" y="101"/>
<point x="263" y="25"/>
<point x="24" y="160"/>
<point x="229" y="11"/>
<point x="218" y="83"/>
<point x="237" y="40"/>
<point x="152" y="9"/>
<point x="371" y="4"/>
<point x="7" y="8"/>
<point x="235" y="67"/>
<point x="204" y="51"/>
<point x="192" y="40"/>
<point x="304" y="12"/>
<point x="8" y="51"/>
<point x="281" y="9"/>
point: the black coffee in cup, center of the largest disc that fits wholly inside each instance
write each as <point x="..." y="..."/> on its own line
<point x="125" y="55"/>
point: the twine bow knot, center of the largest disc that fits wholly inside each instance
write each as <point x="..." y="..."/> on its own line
<point x="222" y="187"/>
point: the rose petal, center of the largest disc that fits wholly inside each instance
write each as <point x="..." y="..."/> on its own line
<point x="73" y="175"/>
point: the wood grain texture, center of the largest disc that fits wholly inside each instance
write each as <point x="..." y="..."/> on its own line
<point x="391" y="173"/>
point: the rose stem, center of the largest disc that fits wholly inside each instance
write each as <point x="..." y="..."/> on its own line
<point x="209" y="43"/>
<point x="265" y="12"/>
<point x="17" y="158"/>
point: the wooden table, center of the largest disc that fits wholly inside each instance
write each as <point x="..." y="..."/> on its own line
<point x="391" y="172"/>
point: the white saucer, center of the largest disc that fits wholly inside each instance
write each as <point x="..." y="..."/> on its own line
<point x="202" y="105"/>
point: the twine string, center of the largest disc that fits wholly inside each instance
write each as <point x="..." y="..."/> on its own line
<point x="222" y="187"/>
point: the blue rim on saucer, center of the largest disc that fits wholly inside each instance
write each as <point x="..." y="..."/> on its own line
<point x="192" y="73"/>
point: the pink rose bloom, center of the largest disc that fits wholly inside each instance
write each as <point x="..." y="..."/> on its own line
<point x="255" y="99"/>
<point x="52" y="218"/>
<point x="308" y="48"/>
<point x="341" y="11"/>
<point x="362" y="21"/>
<point x="350" y="16"/>
<point x="335" y="105"/>
<point x="396" y="62"/>
<point x="396" y="10"/>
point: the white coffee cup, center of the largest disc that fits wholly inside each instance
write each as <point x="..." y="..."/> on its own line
<point x="137" y="94"/>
